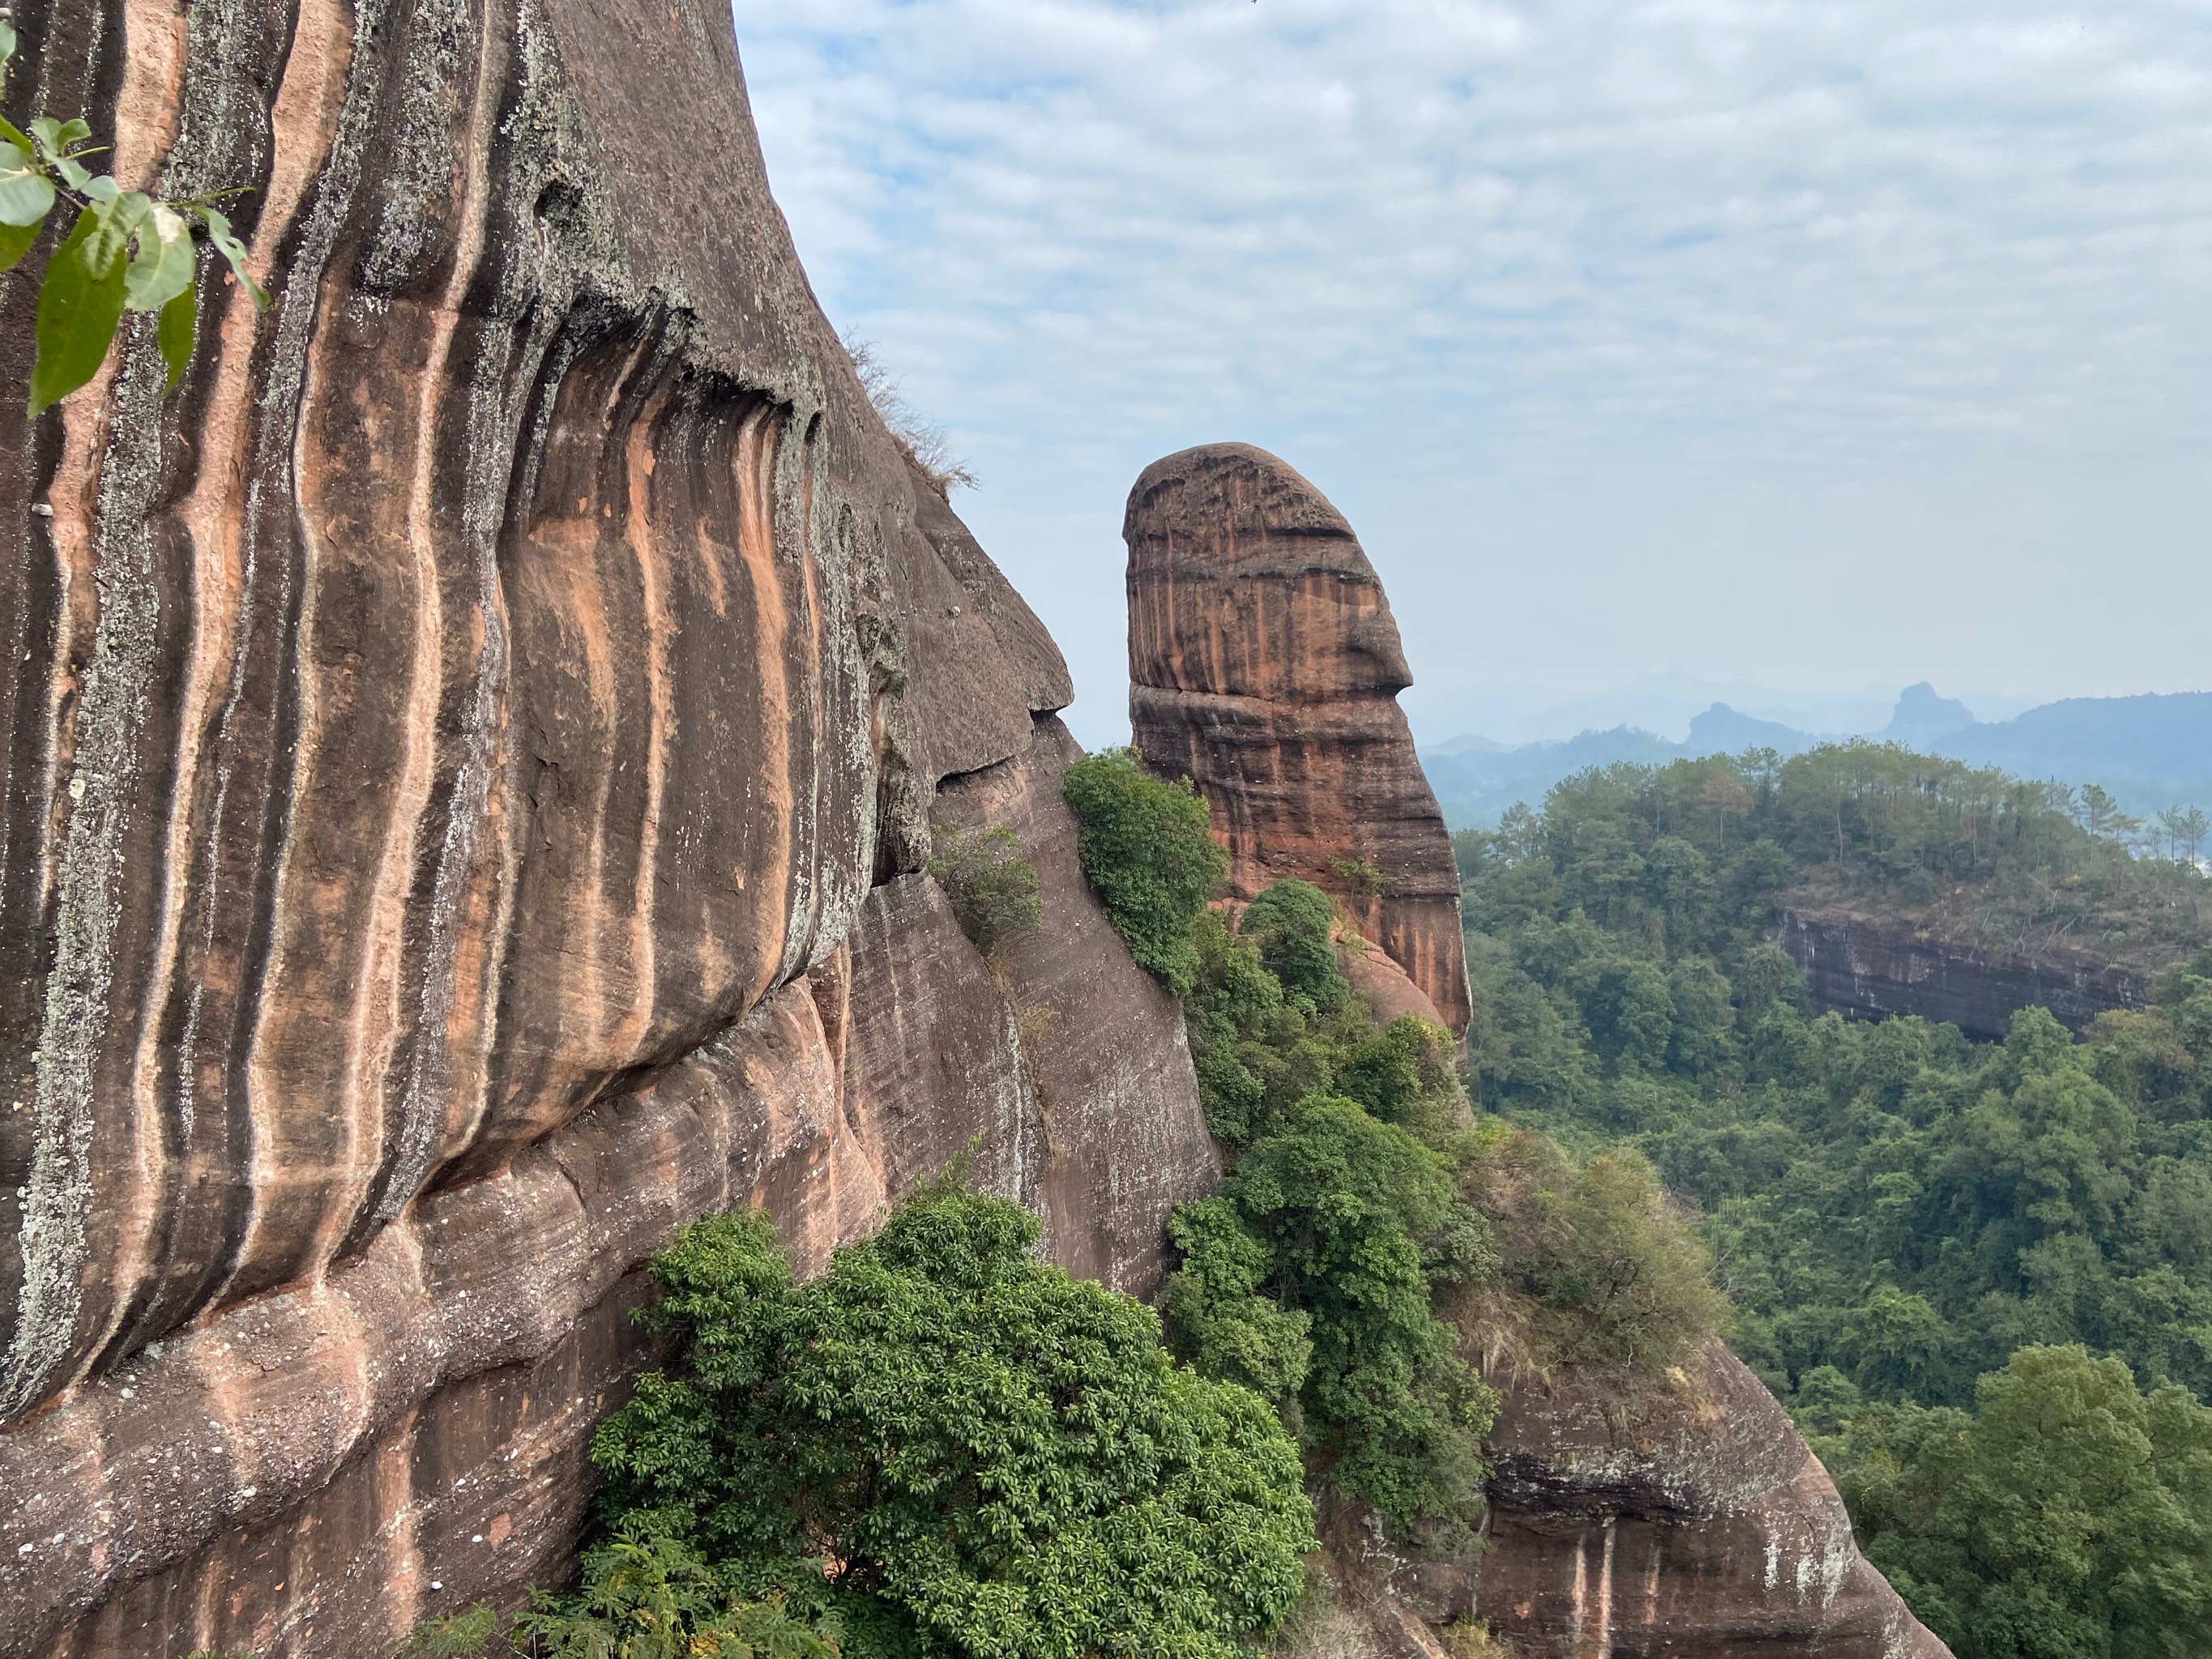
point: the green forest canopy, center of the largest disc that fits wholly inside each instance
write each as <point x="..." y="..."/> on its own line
<point x="944" y="1446"/>
<point x="1703" y="849"/>
<point x="1909" y="1224"/>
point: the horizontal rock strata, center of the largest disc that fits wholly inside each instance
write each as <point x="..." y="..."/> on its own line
<point x="1265" y="665"/>
<point x="1868" y="968"/>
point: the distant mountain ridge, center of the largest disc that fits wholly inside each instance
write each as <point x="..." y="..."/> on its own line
<point x="2151" y="751"/>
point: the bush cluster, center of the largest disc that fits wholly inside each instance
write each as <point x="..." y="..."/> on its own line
<point x="941" y="1449"/>
<point x="1145" y="850"/>
<point x="2069" y="1513"/>
<point x="1352" y="1223"/>
<point x="992" y="889"/>
<point x="946" y="1446"/>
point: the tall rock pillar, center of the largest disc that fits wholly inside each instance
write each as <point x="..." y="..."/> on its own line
<point x="1264" y="662"/>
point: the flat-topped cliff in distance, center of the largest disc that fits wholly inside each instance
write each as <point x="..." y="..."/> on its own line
<point x="1871" y="966"/>
<point x="1264" y="664"/>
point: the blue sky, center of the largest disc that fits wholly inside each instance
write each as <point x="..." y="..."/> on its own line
<point x="1802" y="348"/>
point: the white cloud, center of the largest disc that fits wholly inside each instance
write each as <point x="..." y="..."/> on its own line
<point x="1816" y="342"/>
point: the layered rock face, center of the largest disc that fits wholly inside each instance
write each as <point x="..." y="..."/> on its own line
<point x="1870" y="969"/>
<point x="1694" y="1521"/>
<point x="1264" y="664"/>
<point x="471" y="756"/>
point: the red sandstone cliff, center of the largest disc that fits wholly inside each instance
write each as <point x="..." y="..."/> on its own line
<point x="471" y="757"/>
<point x="1689" y="1519"/>
<point x="1264" y="664"/>
<point x="470" y="764"/>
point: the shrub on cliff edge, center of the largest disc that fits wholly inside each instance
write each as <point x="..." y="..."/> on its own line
<point x="992" y="889"/>
<point x="1290" y="924"/>
<point x="1145" y="850"/>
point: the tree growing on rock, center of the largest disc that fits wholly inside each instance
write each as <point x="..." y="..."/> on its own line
<point x="950" y="1447"/>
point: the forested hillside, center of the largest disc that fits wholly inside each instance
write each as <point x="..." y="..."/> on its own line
<point x="1935" y="1247"/>
<point x="1695" y="854"/>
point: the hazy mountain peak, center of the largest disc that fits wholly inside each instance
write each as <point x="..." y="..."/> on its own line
<point x="1923" y="716"/>
<point x="1469" y="743"/>
<point x="1721" y="730"/>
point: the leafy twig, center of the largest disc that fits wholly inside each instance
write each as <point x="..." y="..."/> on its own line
<point x="126" y="251"/>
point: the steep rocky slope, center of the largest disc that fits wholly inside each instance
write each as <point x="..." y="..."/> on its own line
<point x="1694" y="1520"/>
<point x="1264" y="664"/>
<point x="471" y="756"/>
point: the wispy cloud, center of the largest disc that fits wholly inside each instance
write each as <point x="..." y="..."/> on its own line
<point x="1816" y="342"/>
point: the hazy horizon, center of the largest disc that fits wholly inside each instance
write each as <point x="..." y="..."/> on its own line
<point x="1807" y="349"/>
<point x="1664" y="704"/>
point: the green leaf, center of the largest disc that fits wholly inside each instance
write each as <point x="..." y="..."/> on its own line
<point x="80" y="305"/>
<point x="55" y="138"/>
<point x="119" y="217"/>
<point x="25" y="193"/>
<point x="162" y="263"/>
<point x="15" y="241"/>
<point x="234" y="250"/>
<point x="179" y="319"/>
<point x="7" y="39"/>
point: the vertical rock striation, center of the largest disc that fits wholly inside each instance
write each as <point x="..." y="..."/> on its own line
<point x="470" y="758"/>
<point x="470" y="763"/>
<point x="1264" y="664"/>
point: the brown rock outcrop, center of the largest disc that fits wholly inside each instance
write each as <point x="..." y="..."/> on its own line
<point x="1701" y="1523"/>
<point x="1870" y="967"/>
<point x="1691" y="1520"/>
<point x="1265" y="665"/>
<point x="1383" y="984"/>
<point x="469" y="757"/>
